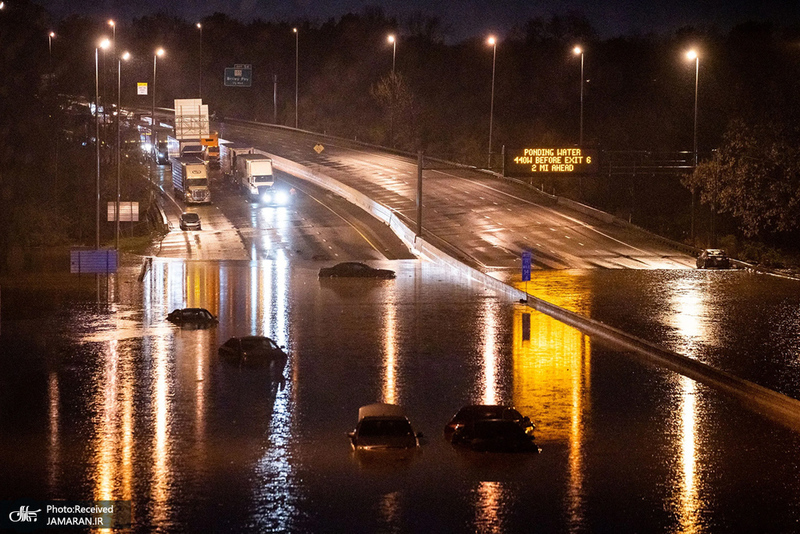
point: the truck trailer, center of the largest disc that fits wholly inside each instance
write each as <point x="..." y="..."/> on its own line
<point x="190" y="180"/>
<point x="228" y="154"/>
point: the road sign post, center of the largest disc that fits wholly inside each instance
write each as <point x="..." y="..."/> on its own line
<point x="526" y="270"/>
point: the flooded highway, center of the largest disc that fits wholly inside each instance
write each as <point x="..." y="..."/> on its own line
<point x="113" y="402"/>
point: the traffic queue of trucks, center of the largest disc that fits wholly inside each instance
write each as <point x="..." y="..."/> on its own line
<point x="192" y="149"/>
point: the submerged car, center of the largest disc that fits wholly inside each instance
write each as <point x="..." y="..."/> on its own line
<point x="253" y="351"/>
<point x="355" y="269"/>
<point x="713" y="258"/>
<point x="477" y="412"/>
<point x="192" y="316"/>
<point x="494" y="435"/>
<point x="190" y="221"/>
<point x="383" y="427"/>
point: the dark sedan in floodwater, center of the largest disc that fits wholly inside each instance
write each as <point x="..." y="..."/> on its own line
<point x="192" y="317"/>
<point x="494" y="435"/>
<point x="253" y="351"/>
<point x="355" y="269"/>
<point x="478" y="412"/>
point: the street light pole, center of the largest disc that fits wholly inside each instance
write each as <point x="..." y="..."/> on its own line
<point x="103" y="44"/>
<point x="392" y="40"/>
<point x="493" y="42"/>
<point x="113" y="50"/>
<point x="200" y="91"/>
<point x="159" y="52"/>
<point x="50" y="49"/>
<point x="124" y="56"/>
<point x="296" y="74"/>
<point x="578" y="50"/>
<point x="692" y="54"/>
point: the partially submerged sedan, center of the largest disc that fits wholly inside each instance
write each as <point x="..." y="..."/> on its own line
<point x="383" y="427"/>
<point x="355" y="269"/>
<point x="197" y="317"/>
<point x="253" y="351"/>
<point x="478" y="412"/>
<point x="494" y="435"/>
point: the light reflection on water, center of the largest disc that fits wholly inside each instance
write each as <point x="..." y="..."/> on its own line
<point x="689" y="316"/>
<point x="390" y="394"/>
<point x="552" y="376"/>
<point x="490" y="502"/>
<point x="176" y="429"/>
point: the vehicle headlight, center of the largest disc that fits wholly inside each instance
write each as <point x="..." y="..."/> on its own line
<point x="266" y="197"/>
<point x="281" y="197"/>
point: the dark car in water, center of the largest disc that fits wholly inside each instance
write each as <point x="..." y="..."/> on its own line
<point x="190" y="221"/>
<point x="494" y="435"/>
<point x="192" y="317"/>
<point x="253" y="351"/>
<point x="713" y="258"/>
<point x="355" y="269"/>
<point x="477" y="412"/>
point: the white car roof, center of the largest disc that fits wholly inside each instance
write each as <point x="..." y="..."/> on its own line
<point x="380" y="409"/>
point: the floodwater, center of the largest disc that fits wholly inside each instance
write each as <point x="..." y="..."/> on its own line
<point x="112" y="402"/>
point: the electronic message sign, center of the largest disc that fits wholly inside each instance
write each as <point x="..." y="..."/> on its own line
<point x="530" y="161"/>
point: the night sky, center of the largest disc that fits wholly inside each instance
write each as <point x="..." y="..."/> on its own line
<point x="463" y="18"/>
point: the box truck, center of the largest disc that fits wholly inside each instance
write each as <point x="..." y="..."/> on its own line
<point x="255" y="178"/>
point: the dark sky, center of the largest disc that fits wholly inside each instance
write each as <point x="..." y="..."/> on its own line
<point x="465" y="18"/>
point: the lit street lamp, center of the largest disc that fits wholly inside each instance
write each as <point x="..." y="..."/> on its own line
<point x="579" y="51"/>
<point x="200" y="91"/>
<point x="126" y="56"/>
<point x="113" y="26"/>
<point x="392" y="40"/>
<point x="159" y="52"/>
<point x="296" y="73"/>
<point x="103" y="44"/>
<point x="493" y="42"/>
<point x="50" y="49"/>
<point x="693" y="55"/>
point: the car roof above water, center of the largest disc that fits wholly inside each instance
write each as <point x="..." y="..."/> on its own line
<point x="380" y="409"/>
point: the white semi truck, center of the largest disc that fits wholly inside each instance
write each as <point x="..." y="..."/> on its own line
<point x="190" y="180"/>
<point x="254" y="175"/>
